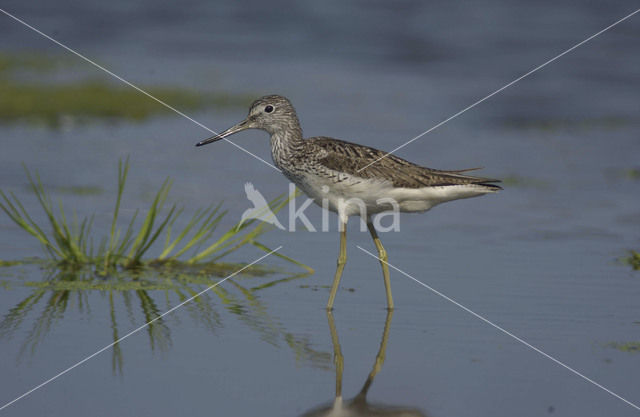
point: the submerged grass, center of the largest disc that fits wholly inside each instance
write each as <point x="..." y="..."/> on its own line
<point x="55" y="104"/>
<point x="25" y="98"/>
<point x="555" y="124"/>
<point x="622" y="174"/>
<point x="29" y="61"/>
<point x="9" y="263"/>
<point x="524" y="182"/>
<point x="631" y="347"/>
<point x="633" y="260"/>
<point x="70" y="243"/>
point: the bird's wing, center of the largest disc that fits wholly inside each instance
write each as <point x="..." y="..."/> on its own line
<point x="349" y="158"/>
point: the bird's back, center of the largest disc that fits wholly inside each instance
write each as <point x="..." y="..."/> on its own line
<point x="372" y="164"/>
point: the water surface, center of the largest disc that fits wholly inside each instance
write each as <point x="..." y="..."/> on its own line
<point x="539" y="259"/>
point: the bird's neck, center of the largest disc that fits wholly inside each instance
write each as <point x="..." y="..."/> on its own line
<point x="286" y="143"/>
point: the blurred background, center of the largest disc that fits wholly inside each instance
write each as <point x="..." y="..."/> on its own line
<point x="550" y="258"/>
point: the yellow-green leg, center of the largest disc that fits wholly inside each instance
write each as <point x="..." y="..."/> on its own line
<point x="382" y="255"/>
<point x="342" y="259"/>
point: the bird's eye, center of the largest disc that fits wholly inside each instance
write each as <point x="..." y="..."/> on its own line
<point x="268" y="109"/>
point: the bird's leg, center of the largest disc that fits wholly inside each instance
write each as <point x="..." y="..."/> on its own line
<point x="382" y="256"/>
<point x="342" y="259"/>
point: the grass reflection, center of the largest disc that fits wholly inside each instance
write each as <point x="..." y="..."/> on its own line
<point x="137" y="299"/>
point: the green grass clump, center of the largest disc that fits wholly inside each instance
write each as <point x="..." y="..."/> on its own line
<point x="80" y="102"/>
<point x="70" y="243"/>
<point x="632" y="347"/>
<point x="633" y="259"/>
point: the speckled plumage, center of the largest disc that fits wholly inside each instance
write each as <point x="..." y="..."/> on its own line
<point x="331" y="157"/>
<point x="346" y="157"/>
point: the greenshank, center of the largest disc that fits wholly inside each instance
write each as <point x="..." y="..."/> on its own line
<point x="350" y="177"/>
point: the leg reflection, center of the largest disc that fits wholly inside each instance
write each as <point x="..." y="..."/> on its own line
<point x="377" y="366"/>
<point x="338" y="359"/>
<point x="358" y="406"/>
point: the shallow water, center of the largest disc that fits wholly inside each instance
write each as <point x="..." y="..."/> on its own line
<point x="539" y="259"/>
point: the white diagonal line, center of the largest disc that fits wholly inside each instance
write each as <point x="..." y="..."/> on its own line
<point x="501" y="89"/>
<point x="78" y="54"/>
<point x="489" y="322"/>
<point x="136" y="330"/>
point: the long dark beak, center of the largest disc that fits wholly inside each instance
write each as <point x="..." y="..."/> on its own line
<point x="234" y="129"/>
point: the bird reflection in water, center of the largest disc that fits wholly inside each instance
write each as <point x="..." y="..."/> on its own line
<point x="359" y="406"/>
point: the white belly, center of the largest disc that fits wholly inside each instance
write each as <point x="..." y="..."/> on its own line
<point x="356" y="196"/>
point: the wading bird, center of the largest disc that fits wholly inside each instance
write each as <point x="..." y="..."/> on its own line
<point x="350" y="176"/>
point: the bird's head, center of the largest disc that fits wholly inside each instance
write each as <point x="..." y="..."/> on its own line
<point x="271" y="113"/>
